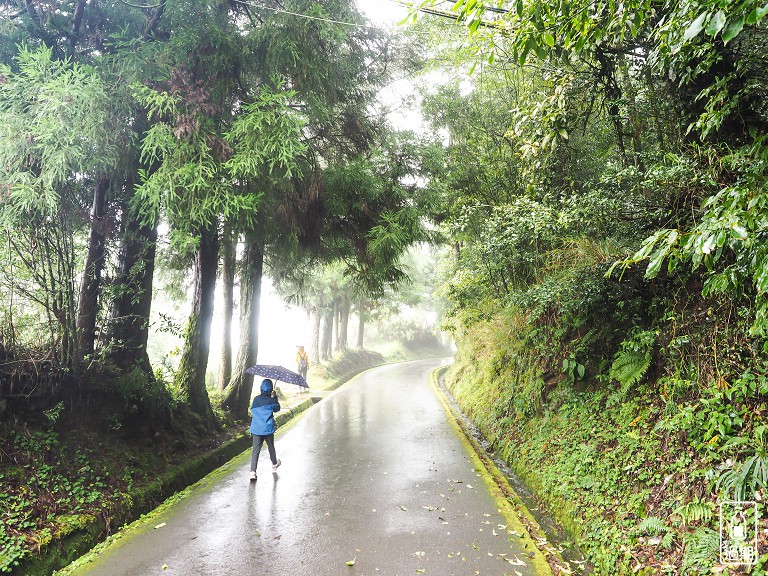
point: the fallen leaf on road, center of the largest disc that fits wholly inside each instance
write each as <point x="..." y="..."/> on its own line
<point x="516" y="562"/>
<point x="351" y="562"/>
<point x="160" y="525"/>
<point x="403" y="508"/>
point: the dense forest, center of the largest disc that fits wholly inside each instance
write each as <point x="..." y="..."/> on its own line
<point x="594" y="172"/>
<point x="157" y="149"/>
<point x="604" y="194"/>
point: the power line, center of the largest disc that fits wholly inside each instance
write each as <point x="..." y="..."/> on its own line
<point x="405" y="4"/>
<point x="306" y="16"/>
<point x="448" y="14"/>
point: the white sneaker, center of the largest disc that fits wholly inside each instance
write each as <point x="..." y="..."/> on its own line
<point x="253" y="476"/>
<point x="276" y="465"/>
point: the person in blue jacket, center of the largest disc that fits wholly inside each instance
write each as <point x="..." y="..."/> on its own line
<point x="263" y="411"/>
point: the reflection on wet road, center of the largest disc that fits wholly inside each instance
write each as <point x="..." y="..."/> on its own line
<point x="373" y="473"/>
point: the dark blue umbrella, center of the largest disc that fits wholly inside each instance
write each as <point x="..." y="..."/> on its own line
<point x="278" y="373"/>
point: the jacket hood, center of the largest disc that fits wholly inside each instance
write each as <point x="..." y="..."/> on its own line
<point x="266" y="386"/>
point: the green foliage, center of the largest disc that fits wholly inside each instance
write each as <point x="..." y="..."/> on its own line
<point x="53" y="413"/>
<point x="629" y="121"/>
<point x="651" y="526"/>
<point x="140" y="392"/>
<point x="632" y="360"/>
<point x="695" y="511"/>
<point x="266" y="137"/>
<point x="701" y="547"/>
<point x="55" y="124"/>
<point x="727" y="239"/>
<point x="82" y="494"/>
<point x="744" y="479"/>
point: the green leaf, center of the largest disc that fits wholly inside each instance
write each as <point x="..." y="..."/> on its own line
<point x="732" y="30"/>
<point x="757" y="14"/>
<point x="655" y="264"/>
<point x="549" y="40"/>
<point x="695" y="27"/>
<point x="351" y="562"/>
<point x="716" y="23"/>
<point x="739" y="232"/>
<point x="709" y="244"/>
<point x="524" y="54"/>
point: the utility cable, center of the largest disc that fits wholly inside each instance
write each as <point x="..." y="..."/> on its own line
<point x="306" y="16"/>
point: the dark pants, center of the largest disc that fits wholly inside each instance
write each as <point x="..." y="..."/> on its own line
<point x="258" y="441"/>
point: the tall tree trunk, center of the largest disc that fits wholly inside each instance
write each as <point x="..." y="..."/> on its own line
<point x="129" y="322"/>
<point x="344" y="306"/>
<point x="325" y="342"/>
<point x="87" y="306"/>
<point x="360" y="322"/>
<point x="238" y="393"/>
<point x="228" y="246"/>
<point x="314" y="346"/>
<point x="335" y="340"/>
<point x="190" y="377"/>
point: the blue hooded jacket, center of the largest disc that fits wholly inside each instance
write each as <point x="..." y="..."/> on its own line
<point x="263" y="411"/>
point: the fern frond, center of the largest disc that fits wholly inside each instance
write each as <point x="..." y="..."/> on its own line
<point x="701" y="549"/>
<point x="651" y="526"/>
<point x="695" y="511"/>
<point x="629" y="366"/>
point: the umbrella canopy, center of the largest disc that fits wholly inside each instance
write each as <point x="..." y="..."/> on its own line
<point x="278" y="373"/>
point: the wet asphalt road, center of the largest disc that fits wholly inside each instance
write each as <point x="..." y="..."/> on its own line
<point x="375" y="473"/>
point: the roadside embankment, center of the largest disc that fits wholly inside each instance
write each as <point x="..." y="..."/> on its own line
<point x="622" y="471"/>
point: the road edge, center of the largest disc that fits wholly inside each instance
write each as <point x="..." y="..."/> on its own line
<point x="546" y="559"/>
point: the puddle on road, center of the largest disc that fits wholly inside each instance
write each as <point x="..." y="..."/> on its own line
<point x="555" y="534"/>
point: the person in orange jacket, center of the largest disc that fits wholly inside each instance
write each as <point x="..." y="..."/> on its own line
<point x="302" y="361"/>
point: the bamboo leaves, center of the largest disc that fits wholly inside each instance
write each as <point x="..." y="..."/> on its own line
<point x="54" y="117"/>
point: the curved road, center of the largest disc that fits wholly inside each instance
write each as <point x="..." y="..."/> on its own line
<point x="374" y="473"/>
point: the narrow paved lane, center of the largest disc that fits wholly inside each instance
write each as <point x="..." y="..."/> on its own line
<point x="373" y="473"/>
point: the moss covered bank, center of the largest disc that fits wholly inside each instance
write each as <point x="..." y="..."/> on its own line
<point x="634" y="478"/>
